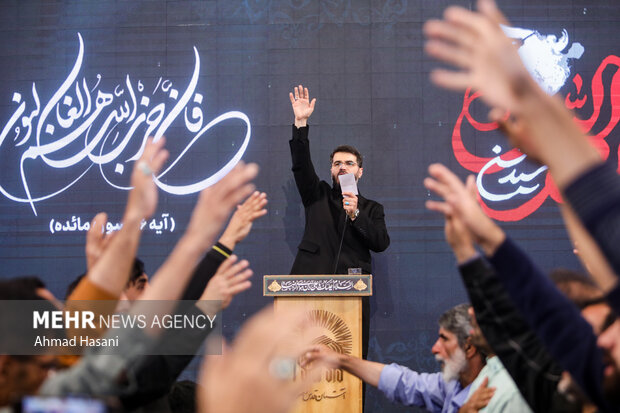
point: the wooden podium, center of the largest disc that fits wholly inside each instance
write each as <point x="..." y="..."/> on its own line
<point x="334" y="306"/>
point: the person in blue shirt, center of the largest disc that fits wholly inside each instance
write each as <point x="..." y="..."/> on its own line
<point x="443" y="392"/>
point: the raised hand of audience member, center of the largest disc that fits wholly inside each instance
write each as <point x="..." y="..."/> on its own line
<point x="112" y="268"/>
<point x="97" y="239"/>
<point x="302" y="106"/>
<point x="231" y="278"/>
<point x="479" y="399"/>
<point x="474" y="42"/>
<point x="241" y="222"/>
<point x="459" y="200"/>
<point x="142" y="200"/>
<point x="255" y="375"/>
<point x="214" y="205"/>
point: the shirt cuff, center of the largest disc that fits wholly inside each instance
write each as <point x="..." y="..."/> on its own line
<point x="222" y="250"/>
<point x="470" y="260"/>
<point x="388" y="381"/>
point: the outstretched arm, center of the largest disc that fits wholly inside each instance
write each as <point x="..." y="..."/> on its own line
<point x="238" y="228"/>
<point x="305" y="176"/>
<point x="567" y="336"/>
<point x="111" y="270"/>
<point x="367" y="371"/>
<point x="512" y="340"/>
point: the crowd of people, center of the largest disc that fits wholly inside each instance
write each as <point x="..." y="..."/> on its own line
<point x="527" y="341"/>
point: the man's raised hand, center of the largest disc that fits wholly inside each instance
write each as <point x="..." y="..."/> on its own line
<point x="302" y="106"/>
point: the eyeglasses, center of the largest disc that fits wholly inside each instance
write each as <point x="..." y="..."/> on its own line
<point x="348" y="164"/>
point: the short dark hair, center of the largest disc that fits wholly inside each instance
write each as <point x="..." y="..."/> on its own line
<point x="136" y="271"/>
<point x="578" y="287"/>
<point x="21" y="288"/>
<point x="347" y="149"/>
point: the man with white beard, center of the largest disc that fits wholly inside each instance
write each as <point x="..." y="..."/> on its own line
<point x="443" y="392"/>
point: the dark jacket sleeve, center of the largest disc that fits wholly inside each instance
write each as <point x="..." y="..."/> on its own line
<point x="557" y="321"/>
<point x="532" y="368"/>
<point x="154" y="375"/>
<point x="595" y="198"/>
<point x="204" y="271"/>
<point x="305" y="176"/>
<point x="371" y="229"/>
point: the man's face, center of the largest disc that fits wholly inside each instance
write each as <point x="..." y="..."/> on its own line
<point x="605" y="324"/>
<point x="451" y="356"/>
<point x="345" y="163"/>
<point x="135" y="289"/>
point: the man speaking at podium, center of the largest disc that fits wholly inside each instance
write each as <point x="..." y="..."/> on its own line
<point x="341" y="227"/>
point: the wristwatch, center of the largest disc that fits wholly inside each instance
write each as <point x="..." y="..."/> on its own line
<point x="355" y="214"/>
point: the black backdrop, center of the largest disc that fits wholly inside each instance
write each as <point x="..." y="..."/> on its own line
<point x="364" y="62"/>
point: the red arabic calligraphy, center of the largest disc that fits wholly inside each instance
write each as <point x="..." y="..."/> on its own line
<point x="597" y="126"/>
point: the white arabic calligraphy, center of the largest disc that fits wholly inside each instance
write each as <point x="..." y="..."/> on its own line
<point x="511" y="178"/>
<point x="102" y="119"/>
<point x="166" y="223"/>
<point x="317" y="285"/>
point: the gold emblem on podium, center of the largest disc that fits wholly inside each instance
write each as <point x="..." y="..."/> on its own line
<point x="360" y="285"/>
<point x="274" y="287"/>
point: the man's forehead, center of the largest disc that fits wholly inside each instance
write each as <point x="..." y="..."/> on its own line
<point x="344" y="156"/>
<point x="446" y="333"/>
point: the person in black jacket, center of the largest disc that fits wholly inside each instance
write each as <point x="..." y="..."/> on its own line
<point x="341" y="228"/>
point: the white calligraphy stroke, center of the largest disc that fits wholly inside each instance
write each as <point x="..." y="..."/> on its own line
<point x="130" y="111"/>
<point x="510" y="178"/>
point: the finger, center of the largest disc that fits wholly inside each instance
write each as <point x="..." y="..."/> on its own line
<point x="437" y="187"/>
<point x="151" y="148"/>
<point x="258" y="214"/>
<point x="490" y="9"/>
<point x="349" y="194"/>
<point x="158" y="160"/>
<point x="441" y="207"/>
<point x="451" y="80"/>
<point x="239" y="288"/>
<point x="291" y="97"/>
<point x="306" y="94"/>
<point x="446" y="177"/>
<point x="225" y="265"/>
<point x="232" y="189"/>
<point x="484" y="383"/>
<point x="236" y="269"/>
<point x="498" y="114"/>
<point x="448" y="53"/>
<point x="466" y="19"/>
<point x="296" y="93"/>
<point x="312" y="103"/>
<point x="240" y="276"/>
<point x="471" y="187"/>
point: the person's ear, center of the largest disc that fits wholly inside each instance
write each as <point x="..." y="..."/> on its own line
<point x="360" y="173"/>
<point x="470" y="349"/>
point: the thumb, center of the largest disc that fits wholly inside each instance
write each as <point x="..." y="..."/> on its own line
<point x="471" y="187"/>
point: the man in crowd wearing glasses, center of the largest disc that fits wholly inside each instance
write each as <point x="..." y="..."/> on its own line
<point x="341" y="227"/>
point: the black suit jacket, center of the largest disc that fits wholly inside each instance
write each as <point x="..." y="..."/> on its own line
<point x="326" y="221"/>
